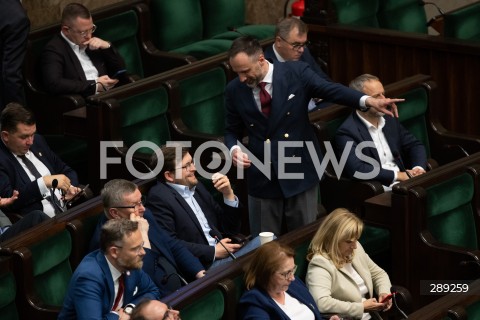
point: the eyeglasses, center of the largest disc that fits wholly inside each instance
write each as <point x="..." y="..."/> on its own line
<point x="296" y="46"/>
<point x="134" y="206"/>
<point x="136" y="249"/>
<point x="84" y="33"/>
<point x="287" y="275"/>
<point x="188" y="166"/>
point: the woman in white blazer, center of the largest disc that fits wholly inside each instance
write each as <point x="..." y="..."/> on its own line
<point x="341" y="277"/>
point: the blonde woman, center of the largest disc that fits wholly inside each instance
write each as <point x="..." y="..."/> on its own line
<point x="341" y="277"/>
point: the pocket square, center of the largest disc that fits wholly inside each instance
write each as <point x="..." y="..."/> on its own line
<point x="291" y="96"/>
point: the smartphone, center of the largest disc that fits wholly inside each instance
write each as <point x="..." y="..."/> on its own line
<point x="77" y="196"/>
<point x="387" y="298"/>
<point x="118" y="73"/>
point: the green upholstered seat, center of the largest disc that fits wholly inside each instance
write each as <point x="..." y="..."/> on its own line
<point x="8" y="289"/>
<point x="177" y="26"/>
<point x="144" y="118"/>
<point x="463" y="23"/>
<point x="121" y="30"/>
<point x="202" y="101"/>
<point x="473" y="310"/>
<point x="413" y="113"/>
<point x="301" y="259"/>
<point x="209" y="307"/>
<point x="449" y="212"/>
<point x="402" y="15"/>
<point x="357" y="12"/>
<point x="51" y="267"/>
<point x="219" y="16"/>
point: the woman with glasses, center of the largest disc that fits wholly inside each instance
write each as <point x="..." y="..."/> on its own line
<point x="341" y="276"/>
<point x="273" y="292"/>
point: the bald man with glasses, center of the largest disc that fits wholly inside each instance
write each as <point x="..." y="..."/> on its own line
<point x="167" y="261"/>
<point x="75" y="61"/>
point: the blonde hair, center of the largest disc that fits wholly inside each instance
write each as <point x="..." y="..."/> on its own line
<point x="340" y="225"/>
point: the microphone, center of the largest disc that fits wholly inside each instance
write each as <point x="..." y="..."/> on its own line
<point x="166" y="277"/>
<point x="398" y="159"/>
<point x="213" y="234"/>
<point x="394" y="298"/>
<point x="54" y="183"/>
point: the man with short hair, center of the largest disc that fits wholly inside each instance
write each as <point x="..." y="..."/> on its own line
<point x="167" y="261"/>
<point x="396" y="149"/>
<point x="109" y="282"/>
<point x="28" y="165"/>
<point x="76" y="62"/>
<point x="154" y="310"/>
<point x="270" y="103"/>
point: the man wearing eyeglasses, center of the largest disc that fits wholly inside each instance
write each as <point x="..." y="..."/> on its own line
<point x="291" y="44"/>
<point x="167" y="260"/>
<point x="75" y="61"/>
<point x="109" y="282"/>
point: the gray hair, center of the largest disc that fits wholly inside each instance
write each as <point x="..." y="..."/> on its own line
<point x="358" y="82"/>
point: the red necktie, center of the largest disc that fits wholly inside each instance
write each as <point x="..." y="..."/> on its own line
<point x="121" y="288"/>
<point x="265" y="99"/>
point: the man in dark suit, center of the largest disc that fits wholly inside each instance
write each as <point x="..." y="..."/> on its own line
<point x="291" y="45"/>
<point x="185" y="208"/>
<point x="395" y="150"/>
<point x="14" y="29"/>
<point x="167" y="260"/>
<point x="20" y="150"/>
<point x="109" y="282"/>
<point x="74" y="61"/>
<point x="270" y="103"/>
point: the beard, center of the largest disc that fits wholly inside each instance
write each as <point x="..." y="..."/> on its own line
<point x="132" y="264"/>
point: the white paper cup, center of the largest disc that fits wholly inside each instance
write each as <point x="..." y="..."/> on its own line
<point x="265" y="237"/>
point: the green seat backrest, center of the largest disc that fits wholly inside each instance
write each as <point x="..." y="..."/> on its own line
<point x="375" y="240"/>
<point x="357" y="12"/>
<point x="402" y="15"/>
<point x="473" y="310"/>
<point x="51" y="267"/>
<point x="219" y="15"/>
<point x="449" y="211"/>
<point x="210" y="306"/>
<point x="176" y="23"/>
<point x="413" y="114"/>
<point x="144" y="118"/>
<point x="334" y="124"/>
<point x="202" y="101"/>
<point x="463" y="23"/>
<point x="122" y="30"/>
<point x="8" y="289"/>
<point x="301" y="259"/>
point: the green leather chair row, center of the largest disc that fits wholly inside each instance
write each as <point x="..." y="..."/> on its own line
<point x="8" y="288"/>
<point x="200" y="28"/>
<point x="463" y="23"/>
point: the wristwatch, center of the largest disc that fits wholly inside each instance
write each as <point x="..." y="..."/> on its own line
<point x="128" y="309"/>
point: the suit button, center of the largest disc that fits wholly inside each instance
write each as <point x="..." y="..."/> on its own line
<point x="286" y="135"/>
<point x="251" y="124"/>
<point x="267" y="141"/>
<point x="288" y="113"/>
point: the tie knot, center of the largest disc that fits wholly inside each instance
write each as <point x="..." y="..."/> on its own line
<point x="262" y="85"/>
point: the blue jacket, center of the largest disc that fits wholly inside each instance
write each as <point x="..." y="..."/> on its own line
<point x="411" y="151"/>
<point x="91" y="291"/>
<point x="256" y="304"/>
<point x="162" y="246"/>
<point x="294" y="84"/>
<point x="173" y="213"/>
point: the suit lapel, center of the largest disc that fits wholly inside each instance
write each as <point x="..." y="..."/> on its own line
<point x="37" y="151"/>
<point x="102" y="262"/>
<point x="74" y="59"/>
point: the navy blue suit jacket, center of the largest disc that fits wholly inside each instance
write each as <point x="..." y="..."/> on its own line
<point x="162" y="245"/>
<point x="294" y="84"/>
<point x="62" y="72"/>
<point x="305" y="57"/>
<point x="257" y="304"/>
<point x="14" y="177"/>
<point x="401" y="142"/>
<point x="173" y="213"/>
<point x="91" y="291"/>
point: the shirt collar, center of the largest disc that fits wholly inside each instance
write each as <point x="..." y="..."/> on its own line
<point x="279" y="57"/>
<point x="75" y="47"/>
<point x="381" y="122"/>
<point x="182" y="190"/>
<point x="269" y="76"/>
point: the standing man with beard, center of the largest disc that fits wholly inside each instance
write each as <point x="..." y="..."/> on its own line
<point x="109" y="282"/>
<point x="270" y="103"/>
<point x="396" y="149"/>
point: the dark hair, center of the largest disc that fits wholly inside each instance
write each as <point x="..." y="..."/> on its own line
<point x="248" y="45"/>
<point x="169" y="159"/>
<point x="13" y="114"/>
<point x="265" y="261"/>
<point x="73" y="11"/>
<point x="114" y="231"/>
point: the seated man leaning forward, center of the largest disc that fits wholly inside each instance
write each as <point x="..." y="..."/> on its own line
<point x="109" y="282"/>
<point x="185" y="208"/>
<point x="396" y="149"/>
<point x="167" y="261"/>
